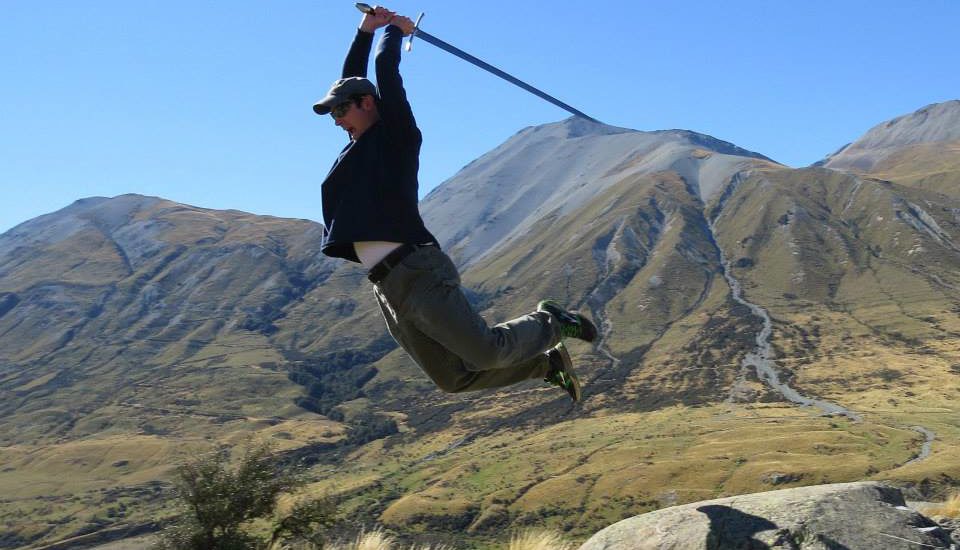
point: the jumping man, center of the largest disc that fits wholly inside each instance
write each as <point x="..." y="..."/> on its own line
<point x="370" y="216"/>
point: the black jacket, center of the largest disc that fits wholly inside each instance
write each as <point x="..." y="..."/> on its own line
<point x="370" y="194"/>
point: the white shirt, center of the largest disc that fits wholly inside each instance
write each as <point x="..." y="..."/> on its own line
<point x="371" y="252"/>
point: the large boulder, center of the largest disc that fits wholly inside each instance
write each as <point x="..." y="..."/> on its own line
<point x="852" y="516"/>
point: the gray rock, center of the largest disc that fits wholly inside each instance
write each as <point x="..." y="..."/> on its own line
<point x="779" y="478"/>
<point x="851" y="516"/>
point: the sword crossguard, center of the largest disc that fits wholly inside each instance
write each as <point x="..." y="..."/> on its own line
<point x="416" y="27"/>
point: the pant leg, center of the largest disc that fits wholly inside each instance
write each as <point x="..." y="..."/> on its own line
<point x="534" y="369"/>
<point x="429" y="316"/>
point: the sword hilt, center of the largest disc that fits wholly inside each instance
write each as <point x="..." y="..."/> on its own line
<point x="368" y="9"/>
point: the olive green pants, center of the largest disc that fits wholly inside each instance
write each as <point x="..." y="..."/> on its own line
<point x="429" y="316"/>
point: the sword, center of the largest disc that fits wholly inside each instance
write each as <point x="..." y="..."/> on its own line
<point x="424" y="35"/>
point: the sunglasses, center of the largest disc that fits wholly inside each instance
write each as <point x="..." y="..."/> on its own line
<point x="341" y="109"/>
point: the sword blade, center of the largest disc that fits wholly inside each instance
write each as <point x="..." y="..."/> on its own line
<point x="493" y="70"/>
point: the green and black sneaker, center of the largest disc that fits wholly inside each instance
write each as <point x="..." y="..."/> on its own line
<point x="561" y="371"/>
<point x="572" y="324"/>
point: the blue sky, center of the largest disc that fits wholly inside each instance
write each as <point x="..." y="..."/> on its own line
<point x="208" y="102"/>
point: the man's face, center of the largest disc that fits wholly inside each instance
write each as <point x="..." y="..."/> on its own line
<point x="354" y="118"/>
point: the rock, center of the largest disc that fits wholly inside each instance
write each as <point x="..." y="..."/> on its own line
<point x="779" y="478"/>
<point x="853" y="516"/>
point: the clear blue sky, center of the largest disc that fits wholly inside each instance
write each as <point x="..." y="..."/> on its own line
<point x="207" y="102"/>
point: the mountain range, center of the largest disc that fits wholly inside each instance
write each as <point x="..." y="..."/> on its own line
<point x="762" y="326"/>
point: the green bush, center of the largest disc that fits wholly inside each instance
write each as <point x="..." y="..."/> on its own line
<point x="219" y="501"/>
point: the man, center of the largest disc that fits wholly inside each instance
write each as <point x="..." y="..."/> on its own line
<point x="371" y="216"/>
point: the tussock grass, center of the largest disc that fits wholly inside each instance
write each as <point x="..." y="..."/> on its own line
<point x="377" y="540"/>
<point x="538" y="540"/>
<point x="949" y="509"/>
<point x="526" y="540"/>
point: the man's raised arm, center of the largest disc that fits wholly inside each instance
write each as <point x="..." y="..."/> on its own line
<point x="394" y="108"/>
<point x="358" y="57"/>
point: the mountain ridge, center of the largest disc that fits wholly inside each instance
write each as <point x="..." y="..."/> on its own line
<point x="935" y="123"/>
<point x="542" y="169"/>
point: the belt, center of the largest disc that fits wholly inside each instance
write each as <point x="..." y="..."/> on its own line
<point x="380" y="271"/>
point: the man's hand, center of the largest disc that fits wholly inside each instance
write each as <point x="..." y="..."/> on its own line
<point x="405" y="23"/>
<point x="381" y="17"/>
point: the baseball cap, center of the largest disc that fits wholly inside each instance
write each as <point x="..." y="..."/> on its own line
<point x="342" y="90"/>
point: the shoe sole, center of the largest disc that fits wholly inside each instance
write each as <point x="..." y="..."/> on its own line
<point x="576" y="393"/>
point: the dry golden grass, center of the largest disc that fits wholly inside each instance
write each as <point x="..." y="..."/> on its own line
<point x="949" y="509"/>
<point x="376" y="540"/>
<point x="538" y="540"/>
<point x="526" y="540"/>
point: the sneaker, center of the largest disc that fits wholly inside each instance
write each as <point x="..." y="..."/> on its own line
<point x="561" y="371"/>
<point x="572" y="325"/>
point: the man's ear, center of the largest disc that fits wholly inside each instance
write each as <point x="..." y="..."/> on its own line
<point x="368" y="103"/>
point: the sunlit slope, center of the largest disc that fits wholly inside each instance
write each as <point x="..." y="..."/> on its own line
<point x="817" y="239"/>
<point x="110" y="297"/>
<point x="920" y="149"/>
<point x="928" y="166"/>
<point x="559" y="168"/>
<point x="936" y="123"/>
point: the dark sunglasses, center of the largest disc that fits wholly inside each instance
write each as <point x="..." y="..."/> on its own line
<point x="341" y="109"/>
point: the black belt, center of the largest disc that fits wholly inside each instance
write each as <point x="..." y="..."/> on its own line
<point x="380" y="271"/>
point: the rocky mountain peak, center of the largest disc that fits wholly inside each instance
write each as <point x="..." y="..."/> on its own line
<point x="558" y="167"/>
<point x="105" y="213"/>
<point x="936" y="123"/>
<point x="933" y="123"/>
<point x="576" y="127"/>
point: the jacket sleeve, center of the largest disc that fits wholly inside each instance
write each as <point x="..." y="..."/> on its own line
<point x="357" y="58"/>
<point x="395" y="110"/>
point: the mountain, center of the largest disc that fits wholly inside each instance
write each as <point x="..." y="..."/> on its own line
<point x="921" y="149"/>
<point x="560" y="167"/>
<point x="762" y="326"/>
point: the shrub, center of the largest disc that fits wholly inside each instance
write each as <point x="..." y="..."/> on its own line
<point x="368" y="426"/>
<point x="218" y="501"/>
<point x="888" y="375"/>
